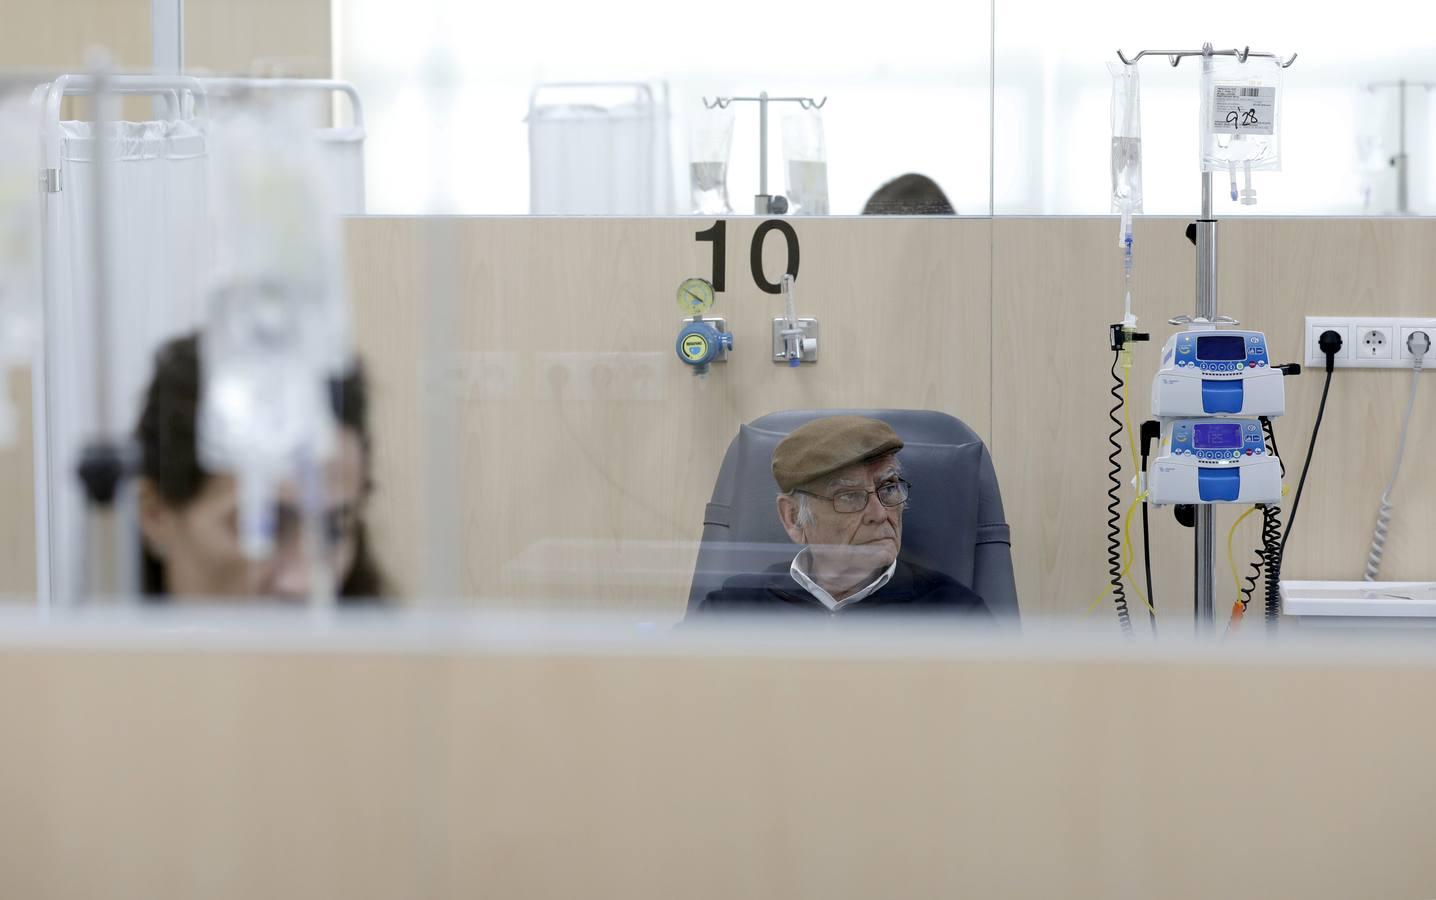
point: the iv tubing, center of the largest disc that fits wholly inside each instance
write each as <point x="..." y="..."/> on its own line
<point x="1129" y="554"/>
<point x="1128" y="560"/>
<point x="1122" y="556"/>
<point x="1231" y="555"/>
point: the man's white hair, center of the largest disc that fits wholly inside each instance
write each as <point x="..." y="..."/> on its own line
<point x="805" y="508"/>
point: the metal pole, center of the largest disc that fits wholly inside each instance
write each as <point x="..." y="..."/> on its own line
<point x="762" y="204"/>
<point x="121" y="576"/>
<point x="1204" y="581"/>
<point x="99" y="243"/>
<point x="1403" y="199"/>
<point x="166" y="42"/>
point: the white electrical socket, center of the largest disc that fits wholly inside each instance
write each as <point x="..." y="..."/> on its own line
<point x="1409" y="327"/>
<point x="1373" y="341"/>
<point x="1367" y="342"/>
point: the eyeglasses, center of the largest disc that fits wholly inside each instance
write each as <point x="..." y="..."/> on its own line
<point x="890" y="494"/>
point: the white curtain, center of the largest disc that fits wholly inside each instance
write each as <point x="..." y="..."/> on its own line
<point x="159" y="243"/>
<point x="157" y="261"/>
<point x="592" y="155"/>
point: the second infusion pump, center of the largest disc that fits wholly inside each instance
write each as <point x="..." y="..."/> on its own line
<point x="1217" y="373"/>
<point x="1214" y="461"/>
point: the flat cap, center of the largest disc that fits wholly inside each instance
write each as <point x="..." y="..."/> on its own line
<point x="824" y="446"/>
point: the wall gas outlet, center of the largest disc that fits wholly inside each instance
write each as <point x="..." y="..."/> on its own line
<point x="1368" y="342"/>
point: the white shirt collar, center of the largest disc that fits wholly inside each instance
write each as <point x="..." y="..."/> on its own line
<point x="799" y="571"/>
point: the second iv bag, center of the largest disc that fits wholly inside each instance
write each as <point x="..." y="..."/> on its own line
<point x="1240" y="127"/>
<point x="805" y="163"/>
<point x="276" y="325"/>
<point x="710" y="146"/>
<point x="1126" y="144"/>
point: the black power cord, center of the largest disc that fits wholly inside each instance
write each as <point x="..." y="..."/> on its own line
<point x="1151" y="429"/>
<point x="1330" y="343"/>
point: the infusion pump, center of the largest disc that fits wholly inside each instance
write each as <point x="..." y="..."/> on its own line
<point x="1207" y="372"/>
<point x="1204" y="460"/>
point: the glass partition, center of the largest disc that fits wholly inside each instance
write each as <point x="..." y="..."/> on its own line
<point x="561" y="412"/>
<point x="1345" y="139"/>
<point x="571" y="108"/>
<point x="591" y="552"/>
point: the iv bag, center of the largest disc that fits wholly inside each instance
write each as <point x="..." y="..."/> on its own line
<point x="1241" y="115"/>
<point x="19" y="245"/>
<point x="1126" y="140"/>
<point x="710" y="146"/>
<point x="805" y="159"/>
<point x="1376" y="112"/>
<point x="275" y="326"/>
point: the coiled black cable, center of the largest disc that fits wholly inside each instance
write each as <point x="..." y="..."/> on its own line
<point x="1271" y="556"/>
<point x="1114" y="505"/>
<point x="1270" y="515"/>
<point x="1270" y="552"/>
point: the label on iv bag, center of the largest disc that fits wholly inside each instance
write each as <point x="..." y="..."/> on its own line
<point x="1243" y="109"/>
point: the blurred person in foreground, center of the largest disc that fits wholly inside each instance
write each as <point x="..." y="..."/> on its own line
<point x="189" y="517"/>
<point x="841" y="497"/>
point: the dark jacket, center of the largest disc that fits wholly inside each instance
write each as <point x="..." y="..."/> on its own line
<point x="913" y="590"/>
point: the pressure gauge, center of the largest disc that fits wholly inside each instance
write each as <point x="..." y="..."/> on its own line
<point x="695" y="296"/>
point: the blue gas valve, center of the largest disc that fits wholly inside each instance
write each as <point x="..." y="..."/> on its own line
<point x="700" y="343"/>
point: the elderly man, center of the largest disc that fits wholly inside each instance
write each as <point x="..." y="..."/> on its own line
<point x="841" y="496"/>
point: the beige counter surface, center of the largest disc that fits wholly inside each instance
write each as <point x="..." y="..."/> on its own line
<point x="473" y="759"/>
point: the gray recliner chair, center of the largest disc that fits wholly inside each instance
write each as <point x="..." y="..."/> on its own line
<point x="954" y="522"/>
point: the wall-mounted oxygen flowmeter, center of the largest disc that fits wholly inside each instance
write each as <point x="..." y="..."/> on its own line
<point x="703" y="340"/>
<point x="795" y="338"/>
<point x="1213" y="460"/>
<point x="1206" y="372"/>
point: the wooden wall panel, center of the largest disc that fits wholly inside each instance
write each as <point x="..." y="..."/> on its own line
<point x="557" y="381"/>
<point x="17" y="496"/>
<point x="187" y="773"/>
<point x="292" y="37"/>
<point x="1057" y="285"/>
<point x="1279" y="272"/>
<point x="259" y="37"/>
<point x="1049" y="417"/>
<point x="56" y="34"/>
<point x="586" y="451"/>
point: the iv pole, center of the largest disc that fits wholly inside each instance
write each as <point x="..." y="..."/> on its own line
<point x="1401" y="161"/>
<point x="1204" y="582"/>
<point x="764" y="202"/>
